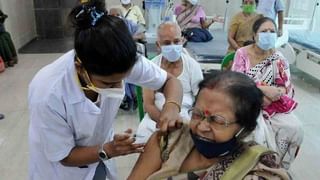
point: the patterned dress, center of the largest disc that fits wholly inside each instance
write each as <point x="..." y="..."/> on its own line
<point x="284" y="127"/>
<point x="180" y="145"/>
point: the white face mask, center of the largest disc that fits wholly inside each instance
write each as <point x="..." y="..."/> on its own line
<point x="125" y="2"/>
<point x="267" y="40"/>
<point x="172" y="52"/>
<point x="117" y="93"/>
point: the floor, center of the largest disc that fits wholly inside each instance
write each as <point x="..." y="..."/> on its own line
<point x="14" y="128"/>
<point x="41" y="46"/>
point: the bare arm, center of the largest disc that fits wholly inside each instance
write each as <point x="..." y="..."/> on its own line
<point x="149" y="161"/>
<point x="280" y="23"/>
<point x="205" y="24"/>
<point x="149" y="105"/>
<point x="169" y="116"/>
<point x="272" y="93"/>
<point x="232" y="41"/>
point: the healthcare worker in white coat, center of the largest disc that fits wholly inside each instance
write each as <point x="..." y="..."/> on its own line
<point x="73" y="101"/>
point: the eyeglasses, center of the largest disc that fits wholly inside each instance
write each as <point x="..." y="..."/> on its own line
<point x="219" y="122"/>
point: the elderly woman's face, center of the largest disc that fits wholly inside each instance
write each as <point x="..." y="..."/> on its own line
<point x="267" y="26"/>
<point x="220" y="122"/>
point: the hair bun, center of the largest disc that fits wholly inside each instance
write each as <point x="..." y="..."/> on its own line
<point x="81" y="15"/>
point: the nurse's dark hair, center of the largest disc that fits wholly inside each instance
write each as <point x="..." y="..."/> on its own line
<point x="103" y="44"/>
<point x="246" y="97"/>
<point x="260" y="21"/>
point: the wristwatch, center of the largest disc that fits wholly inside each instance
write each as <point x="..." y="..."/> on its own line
<point x="102" y="154"/>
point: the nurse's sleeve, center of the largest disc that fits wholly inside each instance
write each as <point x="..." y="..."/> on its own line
<point x="147" y="74"/>
<point x="56" y="135"/>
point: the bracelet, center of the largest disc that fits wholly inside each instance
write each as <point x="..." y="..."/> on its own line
<point x="175" y="103"/>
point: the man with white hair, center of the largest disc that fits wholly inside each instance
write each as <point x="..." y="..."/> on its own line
<point x="132" y="12"/>
<point x="175" y="60"/>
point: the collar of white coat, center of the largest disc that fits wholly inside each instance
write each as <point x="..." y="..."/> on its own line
<point x="74" y="93"/>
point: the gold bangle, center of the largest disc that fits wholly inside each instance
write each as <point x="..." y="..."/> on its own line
<point x="175" y="103"/>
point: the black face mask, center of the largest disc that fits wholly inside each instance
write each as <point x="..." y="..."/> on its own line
<point x="211" y="149"/>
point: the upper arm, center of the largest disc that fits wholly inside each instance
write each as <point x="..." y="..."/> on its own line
<point x="238" y="62"/>
<point x="177" y="10"/>
<point x="279" y="5"/>
<point x="200" y="14"/>
<point x="148" y="98"/>
<point x="149" y="161"/>
<point x="233" y="27"/>
<point x="147" y="74"/>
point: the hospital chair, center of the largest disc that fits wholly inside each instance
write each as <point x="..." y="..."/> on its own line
<point x="141" y="48"/>
<point x="225" y="64"/>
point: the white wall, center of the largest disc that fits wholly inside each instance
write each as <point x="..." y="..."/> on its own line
<point x="21" y="20"/>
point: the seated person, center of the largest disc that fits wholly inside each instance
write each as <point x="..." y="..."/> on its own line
<point x="191" y="17"/>
<point x="240" y="29"/>
<point x="270" y="70"/>
<point x="176" y="61"/>
<point x="211" y="146"/>
<point x="135" y="29"/>
<point x="132" y="12"/>
<point x="7" y="49"/>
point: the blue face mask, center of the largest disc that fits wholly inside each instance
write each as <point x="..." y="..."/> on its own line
<point x="267" y="40"/>
<point x="211" y="149"/>
<point x="172" y="52"/>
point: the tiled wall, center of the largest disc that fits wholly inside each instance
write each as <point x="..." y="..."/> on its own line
<point x="21" y="20"/>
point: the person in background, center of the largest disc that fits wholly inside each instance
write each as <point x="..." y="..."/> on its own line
<point x="191" y="15"/>
<point x="240" y="29"/>
<point x="132" y="12"/>
<point x="270" y="70"/>
<point x="73" y="101"/>
<point x="272" y="8"/>
<point x="175" y="60"/>
<point x="7" y="50"/>
<point x="211" y="146"/>
<point x="136" y="30"/>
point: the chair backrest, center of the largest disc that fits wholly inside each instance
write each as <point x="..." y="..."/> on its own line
<point x="225" y="64"/>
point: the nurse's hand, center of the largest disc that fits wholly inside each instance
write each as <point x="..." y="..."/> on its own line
<point x="123" y="144"/>
<point x="169" y="118"/>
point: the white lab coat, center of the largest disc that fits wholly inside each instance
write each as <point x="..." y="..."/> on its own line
<point x="61" y="117"/>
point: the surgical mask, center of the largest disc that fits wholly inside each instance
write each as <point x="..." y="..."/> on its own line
<point x="249" y="8"/>
<point x="117" y="93"/>
<point x="171" y="52"/>
<point x="125" y="2"/>
<point x="267" y="40"/>
<point x="211" y="149"/>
